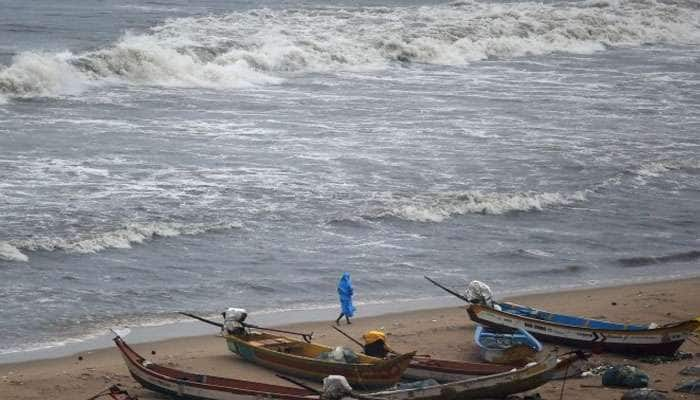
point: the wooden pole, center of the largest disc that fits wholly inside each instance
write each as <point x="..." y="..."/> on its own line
<point x="348" y="336"/>
<point x="450" y="291"/>
<point x="307" y="336"/>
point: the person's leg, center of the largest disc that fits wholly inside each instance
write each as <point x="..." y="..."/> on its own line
<point x="348" y="320"/>
<point x="337" y="321"/>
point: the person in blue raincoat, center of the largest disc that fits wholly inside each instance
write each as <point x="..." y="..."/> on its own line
<point x="345" y="292"/>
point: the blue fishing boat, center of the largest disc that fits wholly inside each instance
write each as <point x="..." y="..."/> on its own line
<point x="506" y="346"/>
<point x="586" y="333"/>
<point x="577" y="331"/>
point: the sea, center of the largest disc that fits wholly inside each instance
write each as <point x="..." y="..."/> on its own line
<point x="170" y="155"/>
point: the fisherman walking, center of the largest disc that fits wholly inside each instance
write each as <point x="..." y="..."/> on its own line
<point x="345" y="292"/>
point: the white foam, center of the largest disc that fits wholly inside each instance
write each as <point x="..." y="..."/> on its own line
<point x="438" y="207"/>
<point x="123" y="238"/>
<point x="52" y="344"/>
<point x="536" y="253"/>
<point x="8" y="252"/>
<point x="40" y="74"/>
<point x="658" y="168"/>
<point x="264" y="46"/>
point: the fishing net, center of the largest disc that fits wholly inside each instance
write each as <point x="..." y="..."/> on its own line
<point x="339" y="354"/>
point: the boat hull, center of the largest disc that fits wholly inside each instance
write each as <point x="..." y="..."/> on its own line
<point x="186" y="385"/>
<point x="450" y="371"/>
<point x="487" y="387"/>
<point x="519" y="354"/>
<point x="657" y="341"/>
<point x="379" y="374"/>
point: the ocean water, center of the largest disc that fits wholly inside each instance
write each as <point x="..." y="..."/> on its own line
<point x="159" y="156"/>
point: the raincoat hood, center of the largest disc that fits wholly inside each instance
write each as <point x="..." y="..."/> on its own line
<point x="345" y="285"/>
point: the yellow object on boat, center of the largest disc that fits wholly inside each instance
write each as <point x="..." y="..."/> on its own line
<point x="372" y="336"/>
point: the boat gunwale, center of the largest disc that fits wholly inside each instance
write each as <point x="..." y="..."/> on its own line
<point x="532" y="340"/>
<point x="457" y="367"/>
<point x="380" y="364"/>
<point x="133" y="360"/>
<point x="673" y="326"/>
<point x="543" y="366"/>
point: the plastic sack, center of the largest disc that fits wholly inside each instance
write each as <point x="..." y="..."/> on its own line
<point x="689" y="387"/>
<point x="643" y="394"/>
<point x="335" y="387"/>
<point x="340" y="355"/>
<point x="233" y="319"/>
<point x="625" y="376"/>
<point x="479" y="293"/>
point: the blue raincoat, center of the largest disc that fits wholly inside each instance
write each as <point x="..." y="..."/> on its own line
<point x="345" y="291"/>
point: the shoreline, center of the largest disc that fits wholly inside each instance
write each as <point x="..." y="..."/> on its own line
<point x="443" y="332"/>
<point x="184" y="328"/>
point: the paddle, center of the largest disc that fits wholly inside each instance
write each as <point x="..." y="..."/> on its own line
<point x="207" y="321"/>
<point x="306" y="336"/>
<point x="348" y="336"/>
<point x="450" y="291"/>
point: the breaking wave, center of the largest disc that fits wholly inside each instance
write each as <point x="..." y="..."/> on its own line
<point x="264" y="46"/>
<point x="123" y="238"/>
<point x="643" y="261"/>
<point x="8" y="252"/>
<point x="658" y="168"/>
<point x="438" y="207"/>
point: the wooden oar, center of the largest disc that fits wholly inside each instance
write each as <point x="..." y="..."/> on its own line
<point x="301" y="385"/>
<point x="307" y="336"/>
<point x="208" y="321"/>
<point x="450" y="291"/>
<point x="348" y="336"/>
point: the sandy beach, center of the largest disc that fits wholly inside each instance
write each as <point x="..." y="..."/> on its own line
<point x="444" y="333"/>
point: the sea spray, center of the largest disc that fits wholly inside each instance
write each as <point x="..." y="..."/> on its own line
<point x="8" y="252"/>
<point x="122" y="238"/>
<point x="264" y="46"/>
<point x="439" y="206"/>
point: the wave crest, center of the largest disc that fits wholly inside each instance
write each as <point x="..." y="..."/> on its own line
<point x="260" y="46"/>
<point x="8" y="252"/>
<point x="658" y="168"/>
<point x="123" y="238"/>
<point x="437" y="208"/>
<point x="650" y="260"/>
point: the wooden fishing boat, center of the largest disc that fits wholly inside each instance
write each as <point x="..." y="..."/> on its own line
<point x="426" y="367"/>
<point x="449" y="370"/>
<point x="181" y="384"/>
<point x="586" y="333"/>
<point x="506" y="346"/>
<point x="495" y="386"/>
<point x="188" y="385"/>
<point x="301" y="359"/>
